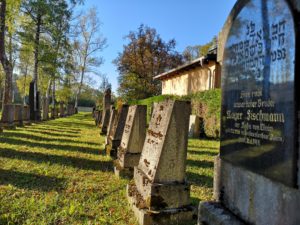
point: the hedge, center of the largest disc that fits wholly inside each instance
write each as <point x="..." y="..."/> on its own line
<point x="206" y="105"/>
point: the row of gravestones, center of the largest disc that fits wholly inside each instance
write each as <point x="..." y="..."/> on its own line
<point x="18" y="115"/>
<point x="256" y="176"/>
<point x="155" y="158"/>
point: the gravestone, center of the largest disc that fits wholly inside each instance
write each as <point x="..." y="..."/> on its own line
<point x="18" y="116"/>
<point x="256" y="175"/>
<point x="113" y="113"/>
<point x="117" y="131"/>
<point x="8" y="114"/>
<point x="34" y="102"/>
<point x="96" y="116"/>
<point x="107" y="99"/>
<point x="54" y="113"/>
<point x="160" y="193"/>
<point x="26" y="115"/>
<point x="105" y="121"/>
<point x="132" y="141"/>
<point x="61" y="109"/>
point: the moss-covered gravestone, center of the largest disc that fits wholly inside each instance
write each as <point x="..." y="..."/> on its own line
<point x="160" y="193"/>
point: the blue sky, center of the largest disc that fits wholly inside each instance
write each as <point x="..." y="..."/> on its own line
<point x="189" y="22"/>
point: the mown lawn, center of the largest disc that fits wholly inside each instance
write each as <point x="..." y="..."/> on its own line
<point x="52" y="173"/>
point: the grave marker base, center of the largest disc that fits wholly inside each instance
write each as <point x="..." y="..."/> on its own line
<point x="126" y="173"/>
<point x="270" y="202"/>
<point x="179" y="216"/>
<point x="216" y="214"/>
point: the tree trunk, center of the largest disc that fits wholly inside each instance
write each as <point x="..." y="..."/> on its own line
<point x="6" y="64"/>
<point x="36" y="58"/>
<point x="53" y="94"/>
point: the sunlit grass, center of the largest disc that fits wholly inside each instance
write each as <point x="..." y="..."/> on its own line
<point x="53" y="173"/>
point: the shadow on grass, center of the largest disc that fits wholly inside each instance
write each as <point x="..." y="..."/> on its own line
<point x="47" y="139"/>
<point x="5" y="138"/>
<point x="200" y="152"/>
<point x="31" y="181"/>
<point x="200" y="180"/>
<point x="68" y="130"/>
<point x="74" y="162"/>
<point x="200" y="163"/>
<point x="58" y="134"/>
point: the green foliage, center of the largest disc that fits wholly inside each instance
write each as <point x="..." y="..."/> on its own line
<point x="206" y="104"/>
<point x="193" y="52"/>
<point x="145" y="56"/>
<point x="23" y="83"/>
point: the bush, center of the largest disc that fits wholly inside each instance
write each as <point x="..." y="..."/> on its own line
<point x="207" y="105"/>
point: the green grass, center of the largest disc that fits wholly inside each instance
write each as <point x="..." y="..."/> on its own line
<point x="52" y="173"/>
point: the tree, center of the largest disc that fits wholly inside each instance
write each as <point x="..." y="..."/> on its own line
<point x="88" y="43"/>
<point x="193" y="52"/>
<point x="145" y="56"/>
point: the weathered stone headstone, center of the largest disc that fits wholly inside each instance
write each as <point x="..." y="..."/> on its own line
<point x="18" y="117"/>
<point x="117" y="131"/>
<point x="26" y="115"/>
<point x="160" y="193"/>
<point x="61" y="109"/>
<point x="95" y="116"/>
<point x="132" y="141"/>
<point x="107" y="99"/>
<point x="54" y="113"/>
<point x="256" y="175"/>
<point x="8" y="116"/>
<point x="113" y="113"/>
<point x="105" y="121"/>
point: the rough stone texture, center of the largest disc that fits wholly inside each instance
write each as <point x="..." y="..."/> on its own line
<point x="254" y="198"/>
<point x="159" y="179"/>
<point x="26" y="115"/>
<point x="133" y="137"/>
<point x="117" y="129"/>
<point x="113" y="113"/>
<point x="8" y="115"/>
<point x="212" y="213"/>
<point x="161" y="195"/>
<point x="61" y="109"/>
<point x="164" y="153"/>
<point x="179" y="216"/>
<point x="105" y="122"/>
<point x="18" y="117"/>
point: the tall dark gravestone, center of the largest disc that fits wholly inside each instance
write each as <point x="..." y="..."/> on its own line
<point x="256" y="175"/>
<point x="34" y="102"/>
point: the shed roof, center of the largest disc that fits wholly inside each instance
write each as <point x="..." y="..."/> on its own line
<point x="188" y="66"/>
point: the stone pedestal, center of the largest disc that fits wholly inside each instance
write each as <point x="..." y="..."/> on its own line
<point x="8" y="116"/>
<point x="132" y="140"/>
<point x="160" y="194"/>
<point x="18" y="116"/>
